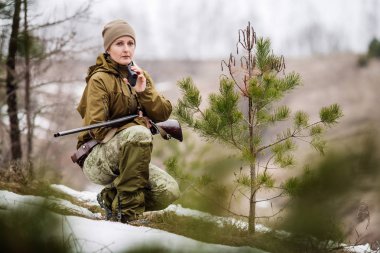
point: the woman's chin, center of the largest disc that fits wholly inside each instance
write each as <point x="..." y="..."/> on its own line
<point x="124" y="61"/>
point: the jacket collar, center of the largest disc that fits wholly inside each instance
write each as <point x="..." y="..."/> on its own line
<point x="104" y="63"/>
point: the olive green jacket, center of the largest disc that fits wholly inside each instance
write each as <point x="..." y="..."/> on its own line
<point x="108" y="97"/>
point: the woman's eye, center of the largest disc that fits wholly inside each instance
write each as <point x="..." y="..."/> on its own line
<point x="119" y="43"/>
<point x="131" y="43"/>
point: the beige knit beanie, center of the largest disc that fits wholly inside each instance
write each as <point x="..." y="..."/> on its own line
<point x="116" y="29"/>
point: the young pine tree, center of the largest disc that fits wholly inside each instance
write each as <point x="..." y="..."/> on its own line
<point x="246" y="106"/>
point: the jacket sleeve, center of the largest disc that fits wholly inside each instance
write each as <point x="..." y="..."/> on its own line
<point x="155" y="105"/>
<point x="97" y="109"/>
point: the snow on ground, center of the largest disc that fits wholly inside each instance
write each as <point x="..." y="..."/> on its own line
<point x="361" y="249"/>
<point x="221" y="221"/>
<point x="118" y="237"/>
<point x="91" y="235"/>
<point x="11" y="201"/>
<point x="85" y="196"/>
<point x="94" y="235"/>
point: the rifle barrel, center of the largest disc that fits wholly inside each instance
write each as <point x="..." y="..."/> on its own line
<point x="97" y="125"/>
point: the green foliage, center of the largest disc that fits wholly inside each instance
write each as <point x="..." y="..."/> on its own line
<point x="330" y="192"/>
<point x="279" y="114"/>
<point x="200" y="171"/>
<point x="269" y="88"/>
<point x="263" y="47"/>
<point x="282" y="154"/>
<point x="191" y="95"/>
<point x="265" y="179"/>
<point x="301" y="119"/>
<point x="223" y="232"/>
<point x="289" y="82"/>
<point x="316" y="130"/>
<point x="372" y="52"/>
<point x="319" y="144"/>
<point x="225" y="104"/>
<point x="291" y="186"/>
<point x="374" y="48"/>
<point x="190" y="102"/>
<point x="330" y="114"/>
<point x="36" y="46"/>
<point x="243" y="180"/>
<point x="246" y="106"/>
<point x="32" y="230"/>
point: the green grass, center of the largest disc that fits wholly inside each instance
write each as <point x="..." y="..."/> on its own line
<point x="210" y="232"/>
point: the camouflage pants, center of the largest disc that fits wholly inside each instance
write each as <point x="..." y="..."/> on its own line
<point x="133" y="184"/>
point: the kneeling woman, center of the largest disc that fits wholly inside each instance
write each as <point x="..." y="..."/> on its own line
<point x="121" y="159"/>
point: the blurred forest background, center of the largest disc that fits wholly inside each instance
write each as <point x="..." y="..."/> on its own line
<point x="333" y="45"/>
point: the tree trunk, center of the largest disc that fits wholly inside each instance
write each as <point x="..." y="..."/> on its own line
<point x="11" y="85"/>
<point x="252" y="199"/>
<point x="28" y="113"/>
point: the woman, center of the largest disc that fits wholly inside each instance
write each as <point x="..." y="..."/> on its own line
<point x="120" y="159"/>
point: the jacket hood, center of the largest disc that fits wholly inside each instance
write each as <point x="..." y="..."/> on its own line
<point x="103" y="64"/>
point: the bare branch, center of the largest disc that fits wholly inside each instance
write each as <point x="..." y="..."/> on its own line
<point x="79" y="13"/>
<point x="275" y="197"/>
<point x="271" y="216"/>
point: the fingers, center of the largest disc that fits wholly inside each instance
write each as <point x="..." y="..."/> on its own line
<point x="137" y="70"/>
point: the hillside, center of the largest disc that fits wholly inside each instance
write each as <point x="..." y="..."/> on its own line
<point x="71" y="222"/>
<point x="326" y="80"/>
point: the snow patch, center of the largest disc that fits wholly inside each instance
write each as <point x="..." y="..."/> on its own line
<point x="89" y="235"/>
<point x="84" y="196"/>
<point x="221" y="221"/>
<point x="94" y="235"/>
<point x="10" y="200"/>
<point x="361" y="249"/>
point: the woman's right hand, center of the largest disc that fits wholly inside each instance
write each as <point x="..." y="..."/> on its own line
<point x="141" y="80"/>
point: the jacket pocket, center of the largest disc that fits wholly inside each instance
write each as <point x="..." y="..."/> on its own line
<point x="119" y="104"/>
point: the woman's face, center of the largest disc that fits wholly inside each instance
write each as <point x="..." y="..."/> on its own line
<point x="122" y="50"/>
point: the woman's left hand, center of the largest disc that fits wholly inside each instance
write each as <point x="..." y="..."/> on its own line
<point x="141" y="80"/>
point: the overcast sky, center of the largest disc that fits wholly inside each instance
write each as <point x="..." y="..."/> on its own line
<point x="208" y="28"/>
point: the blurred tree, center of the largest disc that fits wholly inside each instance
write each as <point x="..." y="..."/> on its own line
<point x="36" y="49"/>
<point x="257" y="84"/>
<point x="32" y="229"/>
<point x="372" y="52"/>
<point x="374" y="48"/>
<point x="11" y="84"/>
<point x="26" y="47"/>
<point x="332" y="191"/>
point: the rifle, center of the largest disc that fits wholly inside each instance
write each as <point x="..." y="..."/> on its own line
<point x="168" y="129"/>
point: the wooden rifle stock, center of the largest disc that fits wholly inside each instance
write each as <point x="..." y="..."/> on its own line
<point x="168" y="129"/>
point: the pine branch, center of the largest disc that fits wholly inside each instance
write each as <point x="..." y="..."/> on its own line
<point x="271" y="198"/>
<point x="274" y="143"/>
<point x="271" y="216"/>
<point x="287" y="137"/>
<point x="266" y="166"/>
<point x="232" y="194"/>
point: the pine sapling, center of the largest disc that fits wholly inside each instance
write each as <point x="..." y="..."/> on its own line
<point x="246" y="106"/>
